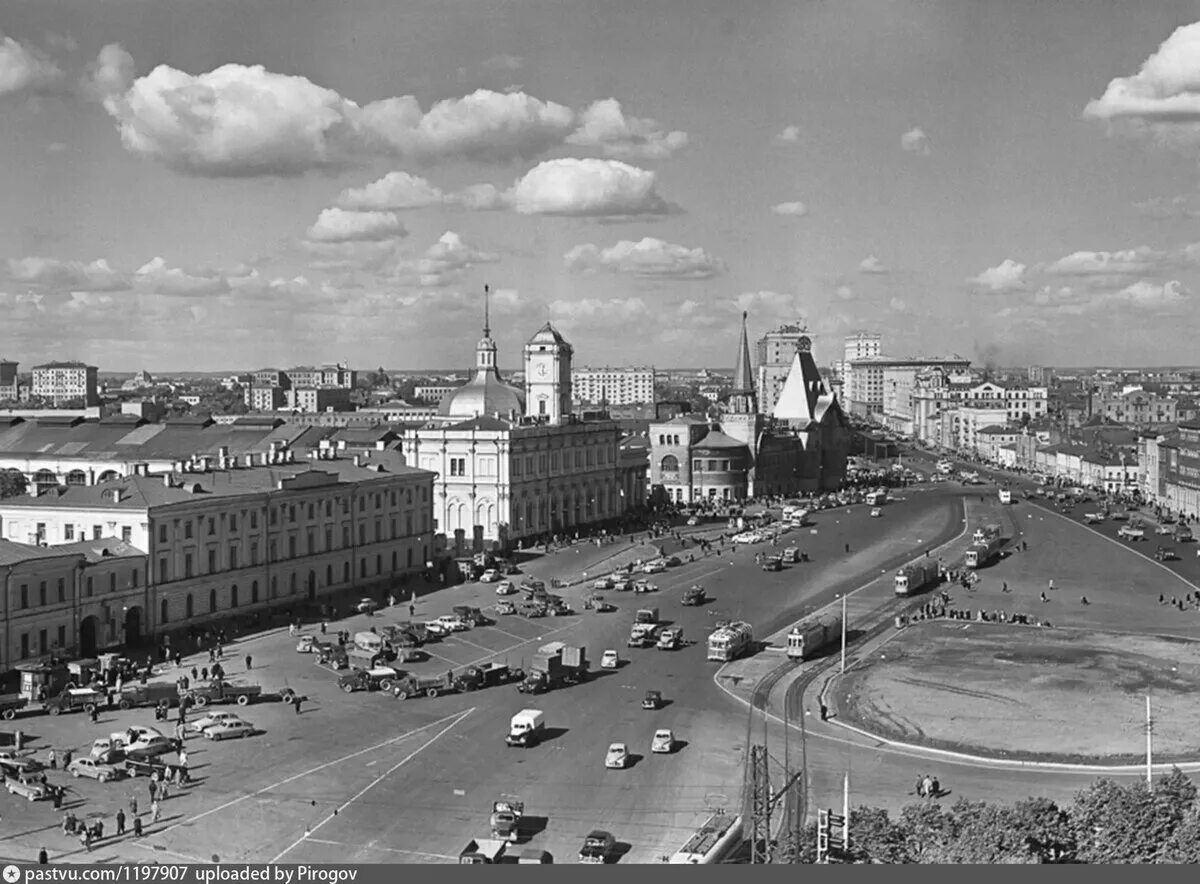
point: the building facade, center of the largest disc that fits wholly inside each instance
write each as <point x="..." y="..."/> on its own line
<point x="865" y="377"/>
<point x="774" y="352"/>
<point x="612" y="386"/>
<point x="1135" y="407"/>
<point x="64" y="381"/>
<point x="860" y="345"/>
<point x="316" y="399"/>
<point x="9" y="386"/>
<point x="264" y="398"/>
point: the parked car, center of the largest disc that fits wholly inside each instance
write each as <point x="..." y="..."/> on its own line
<point x="645" y="586"/>
<point x="491" y="575"/>
<point x="505" y="587"/>
<point x="655" y="567"/>
<point x="14" y="764"/>
<point x="663" y="742"/>
<point x="435" y="627"/>
<point x="454" y="623"/>
<point x="366" y="606"/>
<point x="610" y="660"/>
<point x="151" y="747"/>
<point x="212" y="718"/>
<point x="596" y="847"/>
<point x="90" y="767"/>
<point x="306" y="644"/>
<point x="617" y="756"/>
<point x="505" y="607"/>
<point x="876" y="513"/>
<point x="227" y="730"/>
<point x="27" y="787"/>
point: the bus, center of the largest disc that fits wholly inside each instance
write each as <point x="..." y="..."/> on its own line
<point x="1005" y="496"/>
<point x="876" y="498"/>
<point x="730" y="641"/>
<point x="712" y="842"/>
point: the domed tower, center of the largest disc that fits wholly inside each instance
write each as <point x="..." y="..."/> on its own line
<point x="548" y="376"/>
<point x="485" y="394"/>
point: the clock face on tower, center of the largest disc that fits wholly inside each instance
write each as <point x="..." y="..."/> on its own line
<point x="541" y="370"/>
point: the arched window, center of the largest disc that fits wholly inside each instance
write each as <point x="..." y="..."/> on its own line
<point x="212" y="601"/>
<point x="329" y="575"/>
<point x="346" y="572"/>
<point x="292" y="584"/>
<point x="233" y="599"/>
<point x="190" y="607"/>
<point x="77" y="477"/>
<point x="162" y="611"/>
<point x="253" y="592"/>
<point x="274" y="586"/>
<point x="669" y="464"/>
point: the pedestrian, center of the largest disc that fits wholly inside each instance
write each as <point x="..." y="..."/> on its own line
<point x="58" y="797"/>
<point x="1161" y="598"/>
<point x="935" y="788"/>
<point x="195" y="674"/>
<point x="824" y="712"/>
<point x="182" y="757"/>
<point x="43" y="857"/>
<point x="133" y="805"/>
<point x="296" y="701"/>
<point x="1083" y="600"/>
<point x="1044" y="599"/>
<point x="85" y="838"/>
<point x="52" y="760"/>
<point x="1004" y="588"/>
<point x="99" y="829"/>
<point x="1051" y="585"/>
<point x="137" y="827"/>
<point x="248" y="662"/>
<point x="927" y="787"/>
<point x="412" y="610"/>
<point x="920" y="790"/>
<point x="323" y="627"/>
<point x="204" y="673"/>
<point x="847" y="547"/>
<point x="120" y="821"/>
<point x="155" y="810"/>
<point x="163" y="790"/>
<point x="152" y="786"/>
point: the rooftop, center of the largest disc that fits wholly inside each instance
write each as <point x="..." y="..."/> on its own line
<point x="12" y="553"/>
<point x="101" y="548"/>
<point x="65" y="365"/>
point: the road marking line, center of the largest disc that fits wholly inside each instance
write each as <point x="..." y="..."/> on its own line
<point x="371" y="785"/>
<point x="444" y="659"/>
<point x="509" y="634"/>
<point x="387" y="849"/>
<point x="472" y="644"/>
<point x="528" y="641"/>
<point x="305" y="773"/>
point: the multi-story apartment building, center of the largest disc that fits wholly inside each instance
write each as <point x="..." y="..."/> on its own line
<point x="774" y="353"/>
<point x="860" y="345"/>
<point x="865" y="381"/>
<point x="270" y="377"/>
<point x="434" y="393"/>
<point x="336" y="374"/>
<point x="9" y="387"/>
<point x="247" y="538"/>
<point x="315" y="399"/>
<point x="63" y="381"/>
<point x="264" y="398"/>
<point x="614" y="386"/>
<point x="1135" y="407"/>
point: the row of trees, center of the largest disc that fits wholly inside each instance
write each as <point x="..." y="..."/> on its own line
<point x="1107" y="823"/>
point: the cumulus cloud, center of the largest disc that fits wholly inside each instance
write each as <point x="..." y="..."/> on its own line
<point x="1008" y="276"/>
<point x="614" y="311"/>
<point x="1127" y="262"/>
<point x="96" y="276"/>
<point x="25" y="68"/>
<point x="648" y="258"/>
<point x="790" y="134"/>
<point x="844" y="292"/>
<point x="443" y="263"/>
<point x="898" y="305"/>
<point x="1146" y="293"/>
<point x="778" y="305"/>
<point x="481" y="197"/>
<point x="239" y="120"/>
<point x="394" y="191"/>
<point x="587" y="187"/>
<point x="1162" y="99"/>
<point x="871" y="264"/>
<point x="160" y="278"/>
<point x="604" y="125"/>
<point x="794" y="208"/>
<point x="916" y="141"/>
<point x="338" y="225"/>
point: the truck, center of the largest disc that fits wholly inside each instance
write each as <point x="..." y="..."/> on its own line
<point x="875" y="498"/>
<point x="981" y="554"/>
<point x="474" y="616"/>
<point x="380" y="678"/>
<point x="1183" y="533"/>
<point x="218" y="691"/>
<point x="811" y="634"/>
<point x="646" y="615"/>
<point x="148" y="695"/>
<point x="357" y="658"/>
<point x="480" y="851"/>
<point x="642" y="635"/>
<point x="671" y="639"/>
<point x="507" y="811"/>
<point x="986" y="533"/>
<point x="694" y="596"/>
<point x="12" y="704"/>
<point x="486" y="675"/>
<point x="75" y="699"/>
<point x="1005" y="496"/>
<point x="729" y="641"/>
<point x="555" y="665"/>
<point x="430" y="685"/>
<point x="915" y="576"/>
<point x="526" y="728"/>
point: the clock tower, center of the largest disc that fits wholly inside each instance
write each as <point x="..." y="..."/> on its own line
<point x="548" y="376"/>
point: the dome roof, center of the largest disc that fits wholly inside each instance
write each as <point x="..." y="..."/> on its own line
<point x="484" y="394"/>
<point x="548" y="334"/>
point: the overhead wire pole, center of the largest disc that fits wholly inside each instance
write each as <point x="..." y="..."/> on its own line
<point x="1149" y="747"/>
<point x="843" y="635"/>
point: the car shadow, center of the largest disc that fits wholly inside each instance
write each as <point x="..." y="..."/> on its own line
<point x="679" y="746"/>
<point x="532" y="826"/>
<point x="552" y="733"/>
<point x="618" y="852"/>
<point x="632" y="760"/>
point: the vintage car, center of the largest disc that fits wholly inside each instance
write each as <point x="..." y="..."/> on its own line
<point x="29" y="787"/>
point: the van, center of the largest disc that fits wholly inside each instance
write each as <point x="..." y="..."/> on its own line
<point x="369" y="641"/>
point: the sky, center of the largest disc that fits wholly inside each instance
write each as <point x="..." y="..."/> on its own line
<point x="205" y="185"/>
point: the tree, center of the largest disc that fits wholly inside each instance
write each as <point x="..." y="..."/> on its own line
<point x="12" y="483"/>
<point x="1123" y="824"/>
<point x="927" y="829"/>
<point x="1047" y="828"/>
<point x="876" y="838"/>
<point x="1184" y="845"/>
<point x="983" y="833"/>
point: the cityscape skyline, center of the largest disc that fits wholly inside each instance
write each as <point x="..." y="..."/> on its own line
<point x="190" y="184"/>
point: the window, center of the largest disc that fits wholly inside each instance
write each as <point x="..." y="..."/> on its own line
<point x="378" y="530"/>
<point x="328" y="508"/>
<point x="233" y="560"/>
<point x="329" y="575"/>
<point x="187" y="529"/>
<point x="408" y="525"/>
<point x="127" y="534"/>
<point x="162" y="567"/>
<point x="408" y="496"/>
<point x="362" y="534"/>
<point x="311" y="510"/>
<point x="163" y="611"/>
<point x="191" y="606"/>
<point x="62" y="590"/>
<point x="393" y="497"/>
<point x="394" y="561"/>
<point x="378" y="564"/>
<point x="212" y="601"/>
<point x="274" y="516"/>
<point x="233" y="596"/>
<point x="458" y="466"/>
<point x="25" y="598"/>
<point x="112" y="582"/>
<point x="42" y="594"/>
<point x="409" y="558"/>
<point x="97" y="532"/>
<point x="292" y="513"/>
<point x="212" y="526"/>
<point x="345" y="572"/>
<point x="24" y="645"/>
<point x="187" y="565"/>
<point x="162" y="533"/>
<point x="42" y="643"/>
<point x="328" y="538"/>
<point x="254" y="592"/>
<point x="291" y="546"/>
<point x="68" y="532"/>
<point x="271" y="551"/>
<point x="311" y="546"/>
<point x="345" y="536"/>
<point x="362" y="567"/>
<point x="362" y="504"/>
<point x="292" y="583"/>
<point x="62" y="637"/>
<point x="254" y="554"/>
<point x="253" y="520"/>
<point x="233" y="521"/>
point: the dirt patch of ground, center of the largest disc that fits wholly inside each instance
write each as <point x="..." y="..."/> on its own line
<point x="1028" y="693"/>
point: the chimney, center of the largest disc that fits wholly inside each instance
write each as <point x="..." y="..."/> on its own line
<point x="223" y="453"/>
<point x="180" y="466"/>
<point x="116" y="495"/>
<point x="166" y="480"/>
<point x="380" y="444"/>
<point x="358" y="460"/>
<point x="341" y="444"/>
<point x="249" y="460"/>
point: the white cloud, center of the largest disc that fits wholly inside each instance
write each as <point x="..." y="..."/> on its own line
<point x="1168" y="207"/>
<point x="25" y="68"/>
<point x="56" y="147"/>
<point x="1129" y="261"/>
<point x="916" y="141"/>
<point x="790" y="134"/>
<point x="794" y="208"/>
<point x="1163" y="98"/>
<point x="240" y="120"/>
<point x="1008" y="276"/>
<point x="604" y="125"/>
<point x="768" y="304"/>
<point x="158" y="277"/>
<point x="613" y="311"/>
<point x="871" y="264"/>
<point x="394" y="191"/>
<point x="503" y="63"/>
<point x="443" y="263"/>
<point x="587" y="187"/>
<point x="481" y="197"/>
<point x="96" y="276"/>
<point x="899" y="305"/>
<point x="844" y="292"/>
<point x="650" y="258"/>
<point x="338" y="225"/>
<point x="1153" y="295"/>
